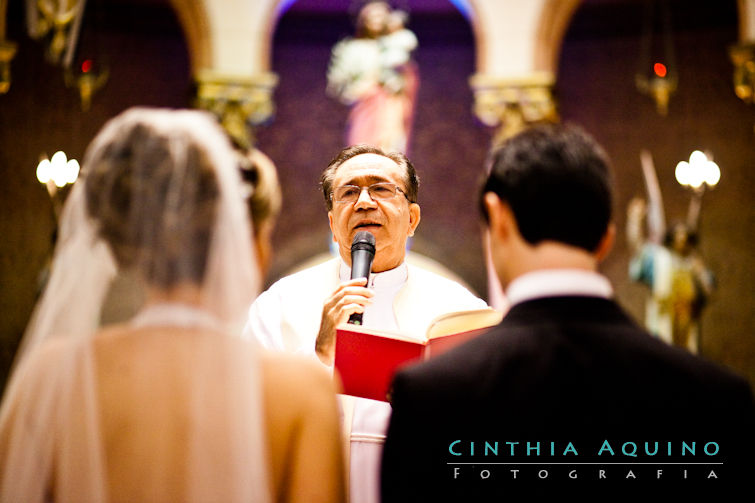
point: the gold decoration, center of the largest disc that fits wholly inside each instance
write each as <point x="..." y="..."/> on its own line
<point x="240" y="103"/>
<point x="656" y="71"/>
<point x="658" y="88"/>
<point x="743" y="57"/>
<point x="87" y="83"/>
<point x="7" y="51"/>
<point x="62" y="18"/>
<point x="513" y="104"/>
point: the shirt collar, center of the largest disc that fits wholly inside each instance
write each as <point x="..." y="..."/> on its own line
<point x="393" y="277"/>
<point x="558" y="283"/>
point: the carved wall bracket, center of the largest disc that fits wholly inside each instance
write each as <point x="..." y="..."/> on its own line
<point x="7" y="51"/>
<point x="59" y="21"/>
<point x="659" y="89"/>
<point x="513" y="104"/>
<point x="743" y="57"/>
<point x="87" y="83"/>
<point x="241" y="103"/>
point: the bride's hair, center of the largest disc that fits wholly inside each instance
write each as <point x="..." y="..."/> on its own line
<point x="154" y="215"/>
<point x="160" y="192"/>
<point x="260" y="179"/>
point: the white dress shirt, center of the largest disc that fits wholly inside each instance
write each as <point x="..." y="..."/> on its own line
<point x="558" y="283"/>
<point x="379" y="313"/>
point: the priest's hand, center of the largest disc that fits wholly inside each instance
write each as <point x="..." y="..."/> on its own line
<point x="350" y="297"/>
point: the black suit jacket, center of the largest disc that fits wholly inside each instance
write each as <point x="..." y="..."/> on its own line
<point x="567" y="396"/>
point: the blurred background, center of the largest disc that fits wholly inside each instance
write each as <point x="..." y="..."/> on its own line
<point x="594" y="61"/>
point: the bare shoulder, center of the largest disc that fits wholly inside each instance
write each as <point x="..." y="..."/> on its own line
<point x="43" y="359"/>
<point x="280" y="369"/>
<point x="300" y="379"/>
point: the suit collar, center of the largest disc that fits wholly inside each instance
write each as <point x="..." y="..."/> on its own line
<point x="568" y="309"/>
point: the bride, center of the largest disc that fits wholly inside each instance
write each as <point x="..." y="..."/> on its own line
<point x="171" y="405"/>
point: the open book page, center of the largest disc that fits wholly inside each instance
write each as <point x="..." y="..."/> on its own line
<point x="462" y="321"/>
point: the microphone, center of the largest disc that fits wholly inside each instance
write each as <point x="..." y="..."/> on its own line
<point x="362" y="255"/>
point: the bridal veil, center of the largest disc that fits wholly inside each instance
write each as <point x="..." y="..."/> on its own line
<point x="160" y="195"/>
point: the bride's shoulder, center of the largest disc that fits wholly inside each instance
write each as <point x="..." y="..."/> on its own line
<point x="43" y="364"/>
<point x="301" y="380"/>
<point x="281" y="368"/>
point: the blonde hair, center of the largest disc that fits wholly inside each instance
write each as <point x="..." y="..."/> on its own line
<point x="264" y="193"/>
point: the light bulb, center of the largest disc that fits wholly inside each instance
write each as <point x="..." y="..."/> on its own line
<point x="682" y="173"/>
<point x="696" y="176"/>
<point x="697" y="157"/>
<point x="712" y="174"/>
<point x="44" y="171"/>
<point x="72" y="170"/>
<point x="58" y="159"/>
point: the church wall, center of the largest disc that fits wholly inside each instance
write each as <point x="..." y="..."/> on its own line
<point x="596" y="89"/>
<point x="149" y="65"/>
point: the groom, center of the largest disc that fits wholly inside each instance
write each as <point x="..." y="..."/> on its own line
<point x="567" y="395"/>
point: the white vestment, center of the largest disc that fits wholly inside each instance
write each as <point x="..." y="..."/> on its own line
<point x="287" y="317"/>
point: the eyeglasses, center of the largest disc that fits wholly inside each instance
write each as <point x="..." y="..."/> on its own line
<point x="377" y="191"/>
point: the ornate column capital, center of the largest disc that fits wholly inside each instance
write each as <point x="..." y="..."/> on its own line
<point x="240" y="102"/>
<point x="511" y="104"/>
<point x="7" y="51"/>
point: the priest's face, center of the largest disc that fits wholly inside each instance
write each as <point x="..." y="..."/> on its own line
<point x="391" y="218"/>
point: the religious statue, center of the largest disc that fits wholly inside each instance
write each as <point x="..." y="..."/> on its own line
<point x="374" y="74"/>
<point x="667" y="261"/>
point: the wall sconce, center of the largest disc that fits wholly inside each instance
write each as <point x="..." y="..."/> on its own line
<point x="697" y="173"/>
<point x="55" y="174"/>
<point x="657" y="54"/>
<point x="60" y="22"/>
<point x="7" y="51"/>
<point x="87" y="82"/>
<point x="659" y="86"/>
<point x="743" y="58"/>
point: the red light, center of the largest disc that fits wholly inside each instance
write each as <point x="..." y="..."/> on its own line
<point x="86" y="66"/>
<point x="660" y="69"/>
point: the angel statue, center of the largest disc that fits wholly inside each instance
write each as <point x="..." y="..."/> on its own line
<point x="374" y="74"/>
<point x="667" y="261"/>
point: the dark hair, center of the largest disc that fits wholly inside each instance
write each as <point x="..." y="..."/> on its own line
<point x="411" y="180"/>
<point x="557" y="181"/>
<point x="129" y="187"/>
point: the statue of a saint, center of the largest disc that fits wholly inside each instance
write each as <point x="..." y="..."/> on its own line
<point x="667" y="261"/>
<point x="373" y="73"/>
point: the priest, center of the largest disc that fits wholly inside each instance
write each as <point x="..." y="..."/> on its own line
<point x="365" y="189"/>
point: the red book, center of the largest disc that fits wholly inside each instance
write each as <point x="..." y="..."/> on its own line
<point x="367" y="359"/>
